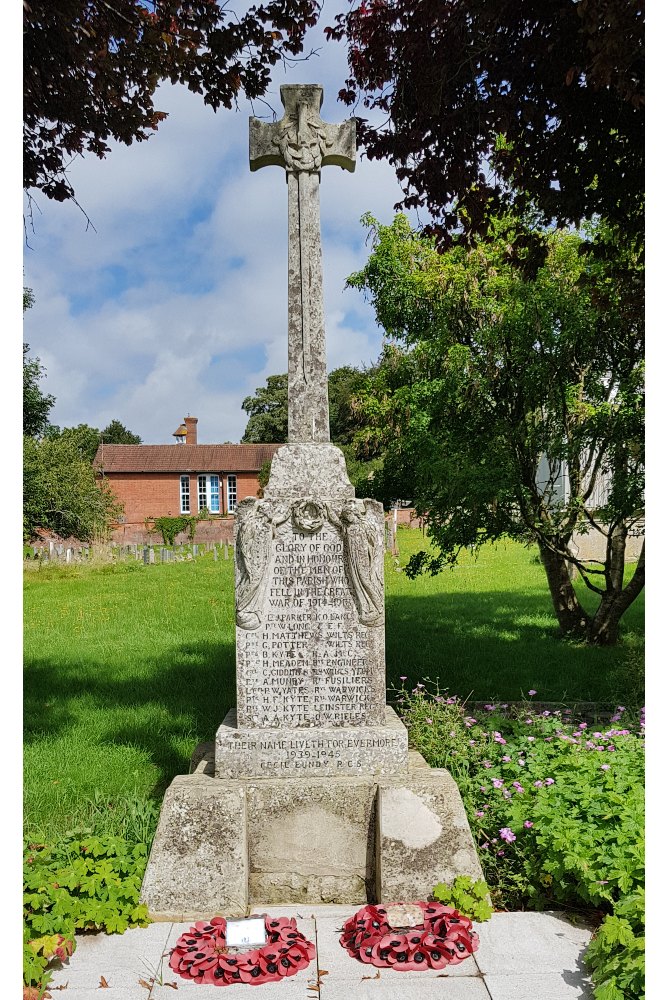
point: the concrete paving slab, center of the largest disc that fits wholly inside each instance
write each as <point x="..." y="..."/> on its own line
<point x="514" y="943"/>
<point x="341" y="966"/>
<point x="402" y="987"/>
<point x="552" y="986"/>
<point x="522" y="956"/>
<point x="122" y="959"/>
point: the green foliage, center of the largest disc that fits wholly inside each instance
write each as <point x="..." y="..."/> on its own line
<point x="263" y="475"/>
<point x="555" y="105"/>
<point x="62" y="493"/>
<point x="467" y="896"/>
<point x="169" y="527"/>
<point x="85" y="439"/>
<point x="510" y="366"/>
<point x="557" y="808"/>
<point x="267" y="409"/>
<point x="616" y="953"/>
<point x="80" y="882"/>
<point x="36" y="405"/>
<point x="117" y="433"/>
<point x="91" y="71"/>
<point x="267" y="413"/>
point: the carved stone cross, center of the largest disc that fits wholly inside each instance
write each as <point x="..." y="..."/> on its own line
<point x="302" y="143"/>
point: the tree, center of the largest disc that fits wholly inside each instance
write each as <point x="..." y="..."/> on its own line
<point x="496" y="381"/>
<point x="91" y="69"/>
<point x="117" y="433"/>
<point x="551" y="94"/>
<point x="84" y="438"/>
<point x="36" y="404"/>
<point x="87" y="439"/>
<point x="61" y="491"/>
<point x="267" y="413"/>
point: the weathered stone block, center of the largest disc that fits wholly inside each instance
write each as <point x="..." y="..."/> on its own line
<point x="311" y="840"/>
<point x="319" y="752"/>
<point x="309" y="608"/>
<point x="198" y="864"/>
<point x="423" y="834"/>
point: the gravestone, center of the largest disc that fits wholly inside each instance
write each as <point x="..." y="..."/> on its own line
<point x="311" y="769"/>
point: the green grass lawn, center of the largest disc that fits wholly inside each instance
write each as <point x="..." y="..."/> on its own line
<point x="128" y="667"/>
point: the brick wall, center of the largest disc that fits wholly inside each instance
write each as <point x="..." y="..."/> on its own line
<point x="158" y="494"/>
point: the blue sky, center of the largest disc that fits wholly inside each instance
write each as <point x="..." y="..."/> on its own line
<point x="176" y="302"/>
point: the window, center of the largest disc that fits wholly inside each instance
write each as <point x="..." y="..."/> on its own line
<point x="231" y="493"/>
<point x="208" y="493"/>
<point x="185" y="494"/>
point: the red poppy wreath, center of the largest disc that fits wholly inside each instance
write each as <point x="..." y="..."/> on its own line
<point x="444" y="937"/>
<point x="202" y="955"/>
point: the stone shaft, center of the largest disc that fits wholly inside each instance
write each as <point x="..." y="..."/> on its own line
<point x="302" y="144"/>
<point x="307" y="392"/>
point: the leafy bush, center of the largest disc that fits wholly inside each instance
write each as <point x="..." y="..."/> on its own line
<point x="61" y="491"/>
<point x="557" y="808"/>
<point x="82" y="882"/>
<point x="169" y="527"/>
<point x="468" y="897"/>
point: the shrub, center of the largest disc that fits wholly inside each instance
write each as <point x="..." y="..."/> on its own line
<point x="82" y="882"/>
<point x="169" y="527"/>
<point x="557" y="808"/>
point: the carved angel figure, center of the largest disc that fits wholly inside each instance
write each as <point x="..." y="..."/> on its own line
<point x="362" y="554"/>
<point x="254" y="533"/>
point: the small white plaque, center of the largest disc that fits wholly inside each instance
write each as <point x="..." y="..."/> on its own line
<point x="404" y="915"/>
<point x="248" y="933"/>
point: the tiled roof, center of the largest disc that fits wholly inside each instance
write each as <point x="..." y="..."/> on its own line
<point x="183" y="457"/>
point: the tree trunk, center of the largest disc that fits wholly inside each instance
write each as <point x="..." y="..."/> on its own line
<point x="572" y="618"/>
<point x="603" y="628"/>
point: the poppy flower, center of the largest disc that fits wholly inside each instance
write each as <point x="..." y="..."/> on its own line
<point x="444" y="937"/>
<point x="201" y="954"/>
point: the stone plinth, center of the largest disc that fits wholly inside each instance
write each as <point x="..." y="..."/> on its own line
<point x="319" y="752"/>
<point x="226" y="846"/>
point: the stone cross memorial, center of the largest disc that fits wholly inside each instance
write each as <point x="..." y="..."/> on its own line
<point x="309" y="793"/>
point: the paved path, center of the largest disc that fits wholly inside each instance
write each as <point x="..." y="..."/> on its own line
<point x="521" y="956"/>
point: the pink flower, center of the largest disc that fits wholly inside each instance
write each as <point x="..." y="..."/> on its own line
<point x="402" y="678"/>
<point x="506" y="758"/>
<point x="487" y="763"/>
<point x="501" y="854"/>
<point x="498" y="738"/>
<point x="497" y="783"/>
<point x="531" y="739"/>
<point x="521" y="763"/>
<point x="430" y="721"/>
<point x="583" y="725"/>
<point x="489" y="708"/>
<point x="507" y="835"/>
<point x="479" y="812"/>
<point x="538" y="784"/>
<point x="549" y="781"/>
<point x="532" y="692"/>
<point x="518" y="787"/>
<point x="527" y="823"/>
<point x="605" y="767"/>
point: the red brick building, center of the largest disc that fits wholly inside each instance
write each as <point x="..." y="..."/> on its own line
<point x="166" y="480"/>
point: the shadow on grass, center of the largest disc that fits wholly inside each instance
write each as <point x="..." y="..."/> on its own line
<point x="501" y="645"/>
<point x="483" y="645"/>
<point x="183" y="696"/>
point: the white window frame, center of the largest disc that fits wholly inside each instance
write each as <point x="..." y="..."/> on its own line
<point x="208" y="492"/>
<point x="185" y="494"/>
<point x="232" y="492"/>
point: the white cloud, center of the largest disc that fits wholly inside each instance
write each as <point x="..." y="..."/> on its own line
<point x="177" y="301"/>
